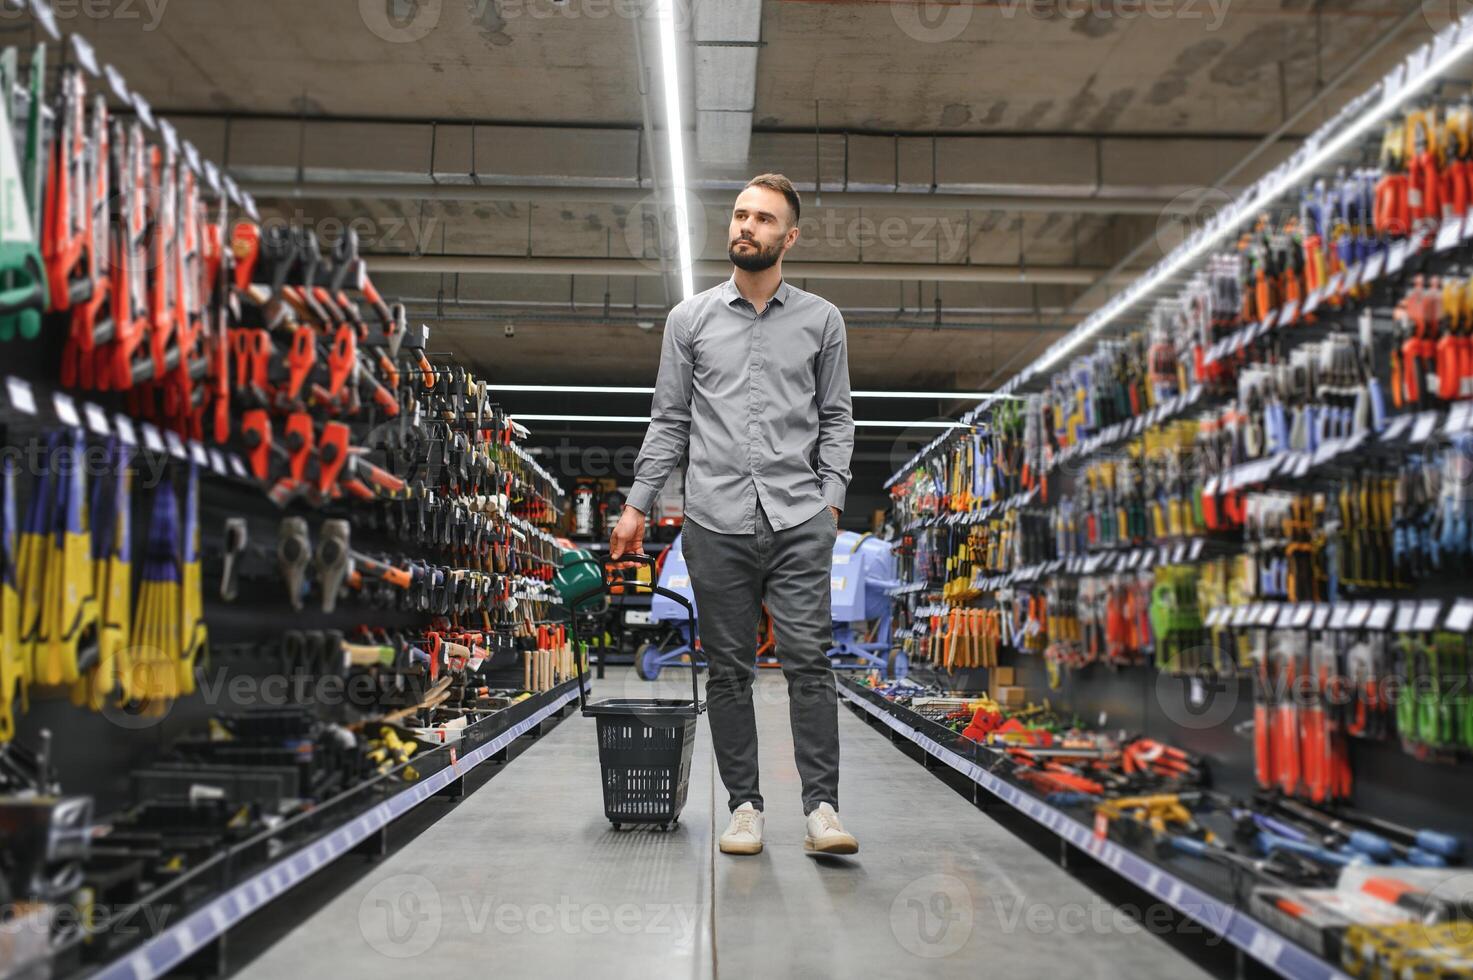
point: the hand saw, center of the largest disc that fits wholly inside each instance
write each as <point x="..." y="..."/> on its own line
<point x="119" y="372"/>
<point x="92" y="324"/>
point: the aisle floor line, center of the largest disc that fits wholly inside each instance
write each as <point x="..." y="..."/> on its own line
<point x="526" y="875"/>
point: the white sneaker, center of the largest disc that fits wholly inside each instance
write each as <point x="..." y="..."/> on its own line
<point x="744" y="834"/>
<point x="826" y="835"/>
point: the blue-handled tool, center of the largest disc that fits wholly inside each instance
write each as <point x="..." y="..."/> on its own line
<point x="1269" y="842"/>
<point x="1430" y="841"/>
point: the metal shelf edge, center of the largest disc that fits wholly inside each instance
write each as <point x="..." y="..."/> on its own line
<point x="168" y="949"/>
<point x="1257" y="940"/>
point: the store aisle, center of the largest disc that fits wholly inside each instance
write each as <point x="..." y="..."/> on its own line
<point x="526" y="877"/>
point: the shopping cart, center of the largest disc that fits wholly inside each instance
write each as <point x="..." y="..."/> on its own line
<point x="860" y="583"/>
<point x="644" y="744"/>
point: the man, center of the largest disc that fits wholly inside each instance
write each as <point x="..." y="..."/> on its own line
<point x="754" y="382"/>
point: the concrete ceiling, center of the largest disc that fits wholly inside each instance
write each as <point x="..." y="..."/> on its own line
<point x="1080" y="126"/>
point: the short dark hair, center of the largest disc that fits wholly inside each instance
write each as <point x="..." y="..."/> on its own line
<point x="784" y="186"/>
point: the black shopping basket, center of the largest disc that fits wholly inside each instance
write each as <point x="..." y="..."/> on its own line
<point x="644" y="744"/>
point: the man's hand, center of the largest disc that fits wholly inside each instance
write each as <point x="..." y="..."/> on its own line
<point x="836" y="512"/>
<point x="628" y="536"/>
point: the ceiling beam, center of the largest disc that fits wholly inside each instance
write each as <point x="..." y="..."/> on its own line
<point x="574" y="191"/>
<point x="516" y="265"/>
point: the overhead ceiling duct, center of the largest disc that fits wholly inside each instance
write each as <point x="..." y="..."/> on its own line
<point x="727" y="36"/>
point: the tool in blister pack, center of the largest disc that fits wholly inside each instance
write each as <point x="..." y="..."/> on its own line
<point x="111" y="583"/>
<point x="69" y="630"/>
<point x="193" y="634"/>
<point x="156" y="625"/>
<point x="15" y="668"/>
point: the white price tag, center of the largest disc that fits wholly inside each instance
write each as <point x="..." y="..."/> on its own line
<point x="22" y="398"/>
<point x="176" y="445"/>
<point x="171" y="136"/>
<point x="217" y="462"/>
<point x="66" y="409"/>
<point x="1395" y="428"/>
<point x="1424" y="426"/>
<point x="1333" y="286"/>
<point x="96" y="418"/>
<point x="152" y="441"/>
<point x="1339" y="613"/>
<point x="1240" y="616"/>
<point x="124" y="427"/>
<point x="116" y="83"/>
<point x="1381" y="615"/>
<point x="1427" y="613"/>
<point x="191" y="157"/>
<point x="1461" y="616"/>
<point x="1312" y="301"/>
<point x="1457" y="418"/>
<point x="1320" y="617"/>
<point x="86" y="54"/>
<point x="1289" y="313"/>
<point x="1359" y="613"/>
<point x="1268" y="614"/>
<point x="47" y="17"/>
<point x="1302" y="612"/>
<point x="1197" y="548"/>
<point x="1375" y="265"/>
<point x="145" y="111"/>
<point x="1180" y="554"/>
<point x="238" y="468"/>
<point x="197" y="453"/>
<point x="1286" y="616"/>
<point x="1334" y="447"/>
<point x="1406" y="615"/>
<point x="212" y="179"/>
<point x="1449" y="234"/>
<point x="1396" y="259"/>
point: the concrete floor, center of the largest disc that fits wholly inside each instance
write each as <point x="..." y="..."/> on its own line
<point x="527" y="879"/>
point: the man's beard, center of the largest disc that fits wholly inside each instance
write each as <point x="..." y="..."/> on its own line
<point x="754" y="261"/>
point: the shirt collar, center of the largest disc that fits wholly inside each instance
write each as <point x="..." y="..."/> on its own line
<point x="731" y="294"/>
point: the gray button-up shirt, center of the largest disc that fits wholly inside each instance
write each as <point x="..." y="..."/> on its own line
<point x="761" y="400"/>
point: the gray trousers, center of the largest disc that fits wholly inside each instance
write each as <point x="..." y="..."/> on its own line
<point x="731" y="576"/>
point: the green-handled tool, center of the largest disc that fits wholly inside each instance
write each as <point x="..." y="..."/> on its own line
<point x="22" y="274"/>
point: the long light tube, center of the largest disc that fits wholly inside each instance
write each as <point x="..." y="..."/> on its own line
<point x="1435" y="64"/>
<point x="675" y="141"/>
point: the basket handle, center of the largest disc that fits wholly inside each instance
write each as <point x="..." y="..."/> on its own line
<point x="586" y="594"/>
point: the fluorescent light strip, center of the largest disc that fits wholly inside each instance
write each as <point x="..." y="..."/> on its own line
<point x="675" y="141"/>
<point x="644" y="419"/>
<point x="1457" y="48"/>
<point x="637" y="390"/>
